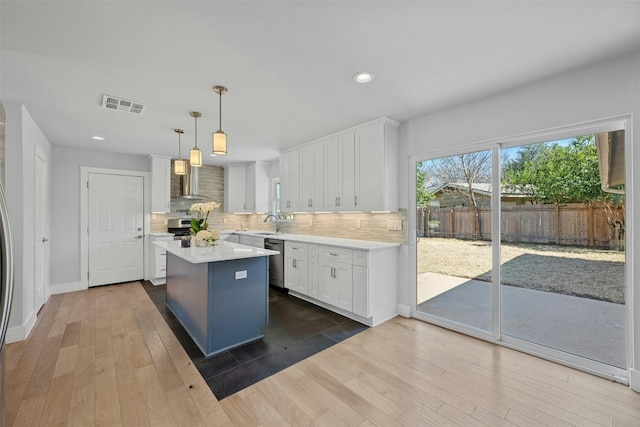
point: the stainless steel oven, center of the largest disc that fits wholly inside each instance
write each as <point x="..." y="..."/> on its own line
<point x="179" y="227"/>
<point x="276" y="262"/>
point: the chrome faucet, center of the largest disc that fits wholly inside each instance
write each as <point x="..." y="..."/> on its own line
<point x="277" y="223"/>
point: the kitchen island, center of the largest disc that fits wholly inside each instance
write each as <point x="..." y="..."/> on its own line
<point x="220" y="293"/>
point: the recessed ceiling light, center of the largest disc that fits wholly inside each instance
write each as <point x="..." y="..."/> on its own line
<point x="98" y="138"/>
<point x="363" y="77"/>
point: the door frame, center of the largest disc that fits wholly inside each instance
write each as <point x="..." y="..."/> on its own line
<point x="46" y="227"/>
<point x="594" y="126"/>
<point x="84" y="216"/>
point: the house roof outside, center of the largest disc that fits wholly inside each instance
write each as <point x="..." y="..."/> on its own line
<point x="479" y="188"/>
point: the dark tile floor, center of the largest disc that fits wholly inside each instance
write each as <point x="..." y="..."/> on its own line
<point x="296" y="330"/>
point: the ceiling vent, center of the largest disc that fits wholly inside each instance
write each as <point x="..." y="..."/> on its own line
<point x="120" y="104"/>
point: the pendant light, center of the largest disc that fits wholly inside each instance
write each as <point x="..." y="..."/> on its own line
<point x="195" y="155"/>
<point x="180" y="165"/>
<point x="219" y="138"/>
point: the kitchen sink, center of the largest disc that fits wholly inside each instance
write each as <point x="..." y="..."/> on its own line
<point x="265" y="233"/>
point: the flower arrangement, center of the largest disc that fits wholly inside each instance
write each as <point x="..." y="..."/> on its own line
<point x="207" y="237"/>
<point x="202" y="210"/>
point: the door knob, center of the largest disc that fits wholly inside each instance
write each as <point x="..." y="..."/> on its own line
<point x="45" y="240"/>
<point x="139" y="236"/>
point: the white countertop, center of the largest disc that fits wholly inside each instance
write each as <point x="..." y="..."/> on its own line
<point x="364" y="245"/>
<point x="223" y="251"/>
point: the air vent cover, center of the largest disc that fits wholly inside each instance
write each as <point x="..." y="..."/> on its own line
<point x="120" y="104"/>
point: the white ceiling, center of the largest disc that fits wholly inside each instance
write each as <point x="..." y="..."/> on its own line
<point x="288" y="65"/>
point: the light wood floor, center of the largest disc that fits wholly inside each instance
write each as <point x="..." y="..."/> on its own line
<point x="106" y="357"/>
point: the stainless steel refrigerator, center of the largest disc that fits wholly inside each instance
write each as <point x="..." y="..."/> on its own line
<point x="6" y="289"/>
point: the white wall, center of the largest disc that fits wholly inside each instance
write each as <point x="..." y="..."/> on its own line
<point x="596" y="92"/>
<point x="22" y="137"/>
<point x="65" y="205"/>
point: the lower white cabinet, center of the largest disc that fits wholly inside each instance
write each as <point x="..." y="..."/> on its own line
<point x="314" y="272"/>
<point x="336" y="277"/>
<point x="159" y="260"/>
<point x="255" y="241"/>
<point x="361" y="291"/>
<point x="296" y="269"/>
<point x="360" y="284"/>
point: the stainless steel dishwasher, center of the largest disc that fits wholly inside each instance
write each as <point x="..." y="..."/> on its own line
<point x="276" y="262"/>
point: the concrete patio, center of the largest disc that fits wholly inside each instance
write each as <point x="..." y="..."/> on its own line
<point x="589" y="328"/>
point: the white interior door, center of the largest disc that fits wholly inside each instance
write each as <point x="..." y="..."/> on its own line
<point x="116" y="244"/>
<point x="41" y="230"/>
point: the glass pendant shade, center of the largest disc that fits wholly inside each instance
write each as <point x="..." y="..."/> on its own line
<point x="195" y="157"/>
<point x="180" y="167"/>
<point x="219" y="139"/>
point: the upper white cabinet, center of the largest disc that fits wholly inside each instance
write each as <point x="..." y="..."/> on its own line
<point x="339" y="183"/>
<point x="290" y="181"/>
<point x="376" y="166"/>
<point x="246" y="188"/>
<point x="358" y="170"/>
<point x="235" y="188"/>
<point x="160" y="184"/>
<point x="258" y="183"/>
<point x="312" y="177"/>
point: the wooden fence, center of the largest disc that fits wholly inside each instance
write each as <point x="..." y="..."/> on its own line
<point x="571" y="224"/>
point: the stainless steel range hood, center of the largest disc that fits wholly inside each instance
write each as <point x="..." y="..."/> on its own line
<point x="188" y="185"/>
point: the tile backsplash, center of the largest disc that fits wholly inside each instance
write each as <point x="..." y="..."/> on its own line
<point x="361" y="226"/>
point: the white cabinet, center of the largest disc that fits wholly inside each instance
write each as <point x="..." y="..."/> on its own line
<point x="360" y="284"/>
<point x="233" y="238"/>
<point x="361" y="301"/>
<point x="290" y="181"/>
<point x="235" y="188"/>
<point x="296" y="272"/>
<point x="336" y="277"/>
<point x="314" y="277"/>
<point x="158" y="259"/>
<point x="160" y="184"/>
<point x="312" y="177"/>
<point x="258" y="184"/>
<point x="376" y="168"/>
<point x="339" y="172"/>
<point x="246" y="188"/>
<point x="255" y="241"/>
<point x="357" y="171"/>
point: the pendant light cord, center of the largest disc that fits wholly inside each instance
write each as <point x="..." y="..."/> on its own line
<point x="220" y="112"/>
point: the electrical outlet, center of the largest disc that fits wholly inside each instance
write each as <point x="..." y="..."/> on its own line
<point x="357" y="223"/>
<point x="224" y="220"/>
<point x="166" y="221"/>
<point x="241" y="274"/>
<point x="394" y="224"/>
<point x="310" y="221"/>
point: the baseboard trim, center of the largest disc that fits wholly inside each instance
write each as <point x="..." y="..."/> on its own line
<point x="634" y="380"/>
<point x="20" y="333"/>
<point x="404" y="310"/>
<point x="63" y="288"/>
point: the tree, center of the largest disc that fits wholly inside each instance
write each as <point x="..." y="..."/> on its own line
<point x="554" y="173"/>
<point x="465" y="169"/>
<point x="423" y="196"/>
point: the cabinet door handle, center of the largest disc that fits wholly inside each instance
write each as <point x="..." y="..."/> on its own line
<point x="355" y="200"/>
<point x="339" y="201"/>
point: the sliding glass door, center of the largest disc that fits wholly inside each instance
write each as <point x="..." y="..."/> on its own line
<point x="544" y="270"/>
<point x="454" y="249"/>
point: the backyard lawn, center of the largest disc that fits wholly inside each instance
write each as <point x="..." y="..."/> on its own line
<point x="583" y="272"/>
